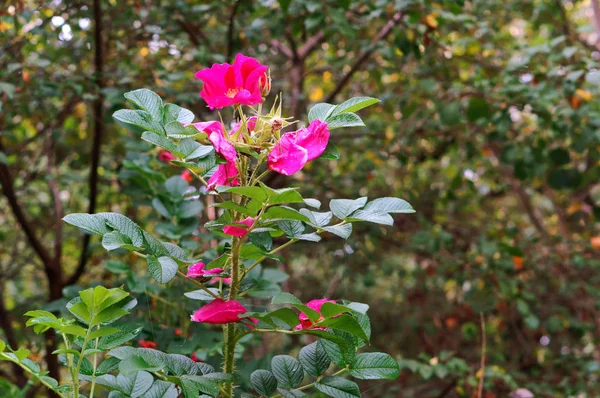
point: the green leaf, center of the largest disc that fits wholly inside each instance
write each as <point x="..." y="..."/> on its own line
<point x="285" y="298"/>
<point x="231" y="206"/>
<point x="263" y="382"/>
<point x="2" y="345"/>
<point x="146" y="100"/>
<point x="314" y="203"/>
<point x="389" y="205"/>
<point x="201" y="294"/>
<point x="177" y="130"/>
<point x="342" y="208"/>
<point x="80" y="310"/>
<point x="162" y="389"/>
<point x="329" y="310"/>
<point x="344" y="120"/>
<point x="202" y="384"/>
<point x="317" y="219"/>
<point x="91" y="223"/>
<point x="287" y="315"/>
<point x="126" y="333"/>
<point x="108" y="365"/>
<point x="354" y="104"/>
<point x="162" y="269"/>
<point x="338" y="387"/>
<point x="372" y="216"/>
<point x="374" y="366"/>
<point x="284" y="213"/>
<point x="161" y="141"/>
<point x="331" y="152"/>
<point x="312" y="237"/>
<point x="115" y="240"/>
<point x="251" y="192"/>
<point x="285" y="195"/>
<point x="320" y="112"/>
<point x="21" y="353"/>
<point x="144" y="359"/>
<point x="134" y="385"/>
<point x="291" y="228"/>
<point x="287" y="370"/>
<point x="175" y="112"/>
<point x="138" y="120"/>
<point x="103" y="332"/>
<point x="125" y="226"/>
<point x="179" y="365"/>
<point x="346" y="323"/>
<point x="290" y="393"/>
<point x="314" y="359"/>
<point x="262" y="240"/>
<point x="343" y="231"/>
<point x="109" y="315"/>
<point x="193" y="150"/>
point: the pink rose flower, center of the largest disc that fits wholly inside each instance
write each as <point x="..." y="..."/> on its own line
<point x="197" y="271"/>
<point x="296" y="148"/>
<point x="216" y="135"/>
<point x="165" y="156"/>
<point x="240" y="83"/>
<point x="219" y="312"/>
<point x="226" y="174"/>
<point x="239" y="231"/>
<point x="305" y="322"/>
<point x="226" y="281"/>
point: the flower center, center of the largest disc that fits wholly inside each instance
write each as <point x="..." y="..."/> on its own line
<point x="232" y="92"/>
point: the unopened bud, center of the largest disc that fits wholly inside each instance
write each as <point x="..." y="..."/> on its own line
<point x="265" y="83"/>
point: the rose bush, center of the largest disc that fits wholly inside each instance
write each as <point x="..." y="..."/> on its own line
<point x="252" y="219"/>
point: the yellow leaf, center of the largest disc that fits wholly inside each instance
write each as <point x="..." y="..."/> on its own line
<point x="144" y="51"/>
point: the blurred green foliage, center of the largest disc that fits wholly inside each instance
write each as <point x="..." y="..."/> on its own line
<point x="488" y="126"/>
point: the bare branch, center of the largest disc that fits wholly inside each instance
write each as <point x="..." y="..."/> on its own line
<point x="387" y="28"/>
<point x="311" y="45"/>
<point x="7" y="187"/>
<point x="279" y="46"/>
<point x="98" y="133"/>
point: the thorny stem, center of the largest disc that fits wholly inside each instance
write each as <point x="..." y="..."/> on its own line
<point x="229" y="329"/>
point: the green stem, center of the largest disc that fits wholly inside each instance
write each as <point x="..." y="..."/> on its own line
<point x="263" y="258"/>
<point x="229" y="329"/>
<point x="94" y="365"/>
<point x="25" y="368"/>
<point x="75" y="374"/>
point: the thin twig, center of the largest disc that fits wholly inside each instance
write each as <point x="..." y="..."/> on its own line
<point x="387" y="28"/>
<point x="482" y="365"/>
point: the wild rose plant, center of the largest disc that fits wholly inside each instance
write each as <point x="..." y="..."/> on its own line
<point x="230" y="160"/>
